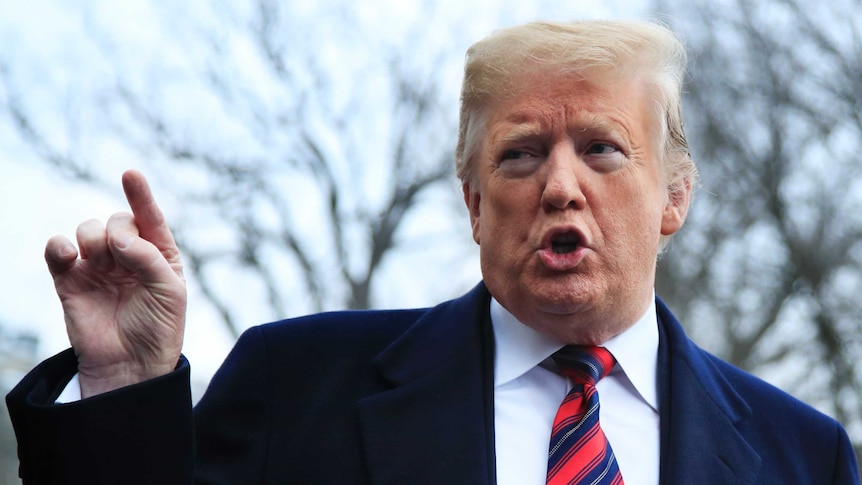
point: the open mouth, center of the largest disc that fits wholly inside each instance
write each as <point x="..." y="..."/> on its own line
<point x="565" y="243"/>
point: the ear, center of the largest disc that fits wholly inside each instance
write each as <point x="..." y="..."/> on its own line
<point x="472" y="199"/>
<point x="676" y="209"/>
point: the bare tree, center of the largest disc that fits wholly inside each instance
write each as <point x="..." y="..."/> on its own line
<point x="767" y="271"/>
<point x="314" y="142"/>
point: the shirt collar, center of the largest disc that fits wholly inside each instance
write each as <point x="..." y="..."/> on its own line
<point x="519" y="348"/>
<point x="636" y="351"/>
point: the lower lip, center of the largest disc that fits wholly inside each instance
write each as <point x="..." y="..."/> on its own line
<point x="562" y="261"/>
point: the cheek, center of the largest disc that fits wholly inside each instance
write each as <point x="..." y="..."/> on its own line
<point x="631" y="220"/>
<point x="508" y="200"/>
<point x="507" y="216"/>
<point x="521" y="193"/>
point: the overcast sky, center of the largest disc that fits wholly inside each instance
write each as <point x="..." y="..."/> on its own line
<point x="47" y="50"/>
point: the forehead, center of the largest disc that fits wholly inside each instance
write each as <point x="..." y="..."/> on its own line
<point x="541" y="101"/>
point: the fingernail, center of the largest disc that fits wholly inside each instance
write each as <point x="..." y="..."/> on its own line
<point x="66" y="250"/>
<point x="123" y="239"/>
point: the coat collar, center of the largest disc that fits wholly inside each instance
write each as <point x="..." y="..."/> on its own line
<point x="702" y="415"/>
<point x="435" y="422"/>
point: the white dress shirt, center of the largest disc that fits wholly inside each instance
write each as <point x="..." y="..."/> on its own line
<point x="71" y="393"/>
<point x="527" y="394"/>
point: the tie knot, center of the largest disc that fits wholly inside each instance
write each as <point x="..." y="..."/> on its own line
<point x="584" y="365"/>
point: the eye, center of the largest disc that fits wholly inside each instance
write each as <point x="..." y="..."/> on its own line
<point x="604" y="157"/>
<point x="515" y="155"/>
<point x="518" y="163"/>
<point x="601" y="149"/>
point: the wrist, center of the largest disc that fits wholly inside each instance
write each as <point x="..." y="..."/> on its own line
<point x="109" y="378"/>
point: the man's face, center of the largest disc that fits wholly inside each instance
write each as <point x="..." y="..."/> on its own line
<point x="570" y="204"/>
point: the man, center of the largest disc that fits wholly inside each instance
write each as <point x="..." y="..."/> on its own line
<point x="575" y="172"/>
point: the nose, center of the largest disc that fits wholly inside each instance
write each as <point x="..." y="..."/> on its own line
<point x="562" y="188"/>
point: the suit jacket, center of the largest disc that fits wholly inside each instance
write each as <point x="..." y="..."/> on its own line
<point x="394" y="397"/>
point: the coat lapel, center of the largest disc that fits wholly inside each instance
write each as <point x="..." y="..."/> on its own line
<point x="435" y="422"/>
<point x="704" y="416"/>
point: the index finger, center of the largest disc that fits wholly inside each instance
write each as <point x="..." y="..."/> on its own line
<point x="148" y="216"/>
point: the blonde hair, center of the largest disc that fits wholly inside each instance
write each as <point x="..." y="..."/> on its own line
<point x="578" y="48"/>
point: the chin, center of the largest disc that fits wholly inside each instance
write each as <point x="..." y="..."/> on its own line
<point x="575" y="331"/>
<point x="564" y="296"/>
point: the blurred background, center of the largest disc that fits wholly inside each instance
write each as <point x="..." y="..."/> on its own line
<point x="303" y="154"/>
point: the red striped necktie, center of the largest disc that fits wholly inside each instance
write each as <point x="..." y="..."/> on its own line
<point x="579" y="451"/>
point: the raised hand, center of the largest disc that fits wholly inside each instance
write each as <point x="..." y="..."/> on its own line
<point x="124" y="299"/>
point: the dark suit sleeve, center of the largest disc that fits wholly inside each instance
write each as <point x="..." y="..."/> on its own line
<point x="234" y="417"/>
<point x="141" y="434"/>
<point x="846" y="464"/>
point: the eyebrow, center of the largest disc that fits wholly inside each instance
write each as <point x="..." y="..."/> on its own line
<point x="520" y="126"/>
<point x="518" y="131"/>
<point x="594" y="122"/>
